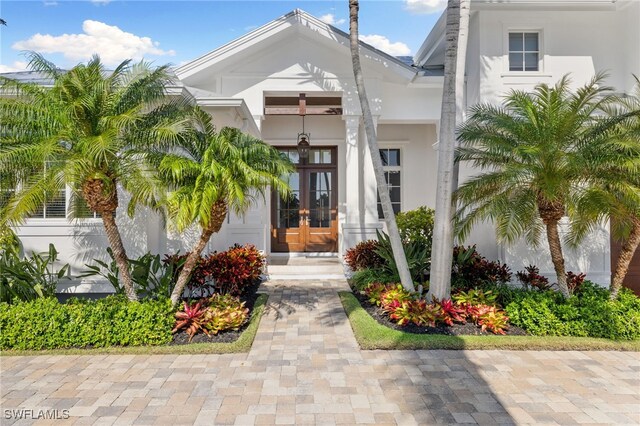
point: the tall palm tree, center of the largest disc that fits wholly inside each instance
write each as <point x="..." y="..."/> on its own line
<point x="457" y="30"/>
<point x="212" y="173"/>
<point x="615" y="195"/>
<point x="78" y="134"/>
<point x="535" y="154"/>
<point x="370" y="130"/>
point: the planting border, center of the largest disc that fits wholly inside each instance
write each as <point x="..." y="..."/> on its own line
<point x="243" y="344"/>
<point x="370" y="334"/>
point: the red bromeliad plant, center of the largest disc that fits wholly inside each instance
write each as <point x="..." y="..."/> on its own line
<point x="193" y="318"/>
<point x="419" y="312"/>
<point x="393" y="296"/>
<point x="450" y="312"/>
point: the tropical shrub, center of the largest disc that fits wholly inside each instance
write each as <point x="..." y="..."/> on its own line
<point x="364" y="256"/>
<point x="418" y="312"/>
<point x="475" y="297"/>
<point x="417" y="226"/>
<point x="531" y="278"/>
<point x="589" y="312"/>
<point x="450" y="312"/>
<point x="151" y="276"/>
<point x="44" y="323"/>
<point x="201" y="281"/>
<point x="393" y="296"/>
<point x="236" y="269"/>
<point x="30" y="277"/>
<point x="362" y="278"/>
<point x="575" y="281"/>
<point x="416" y="253"/>
<point x="374" y="291"/>
<point x="470" y="269"/>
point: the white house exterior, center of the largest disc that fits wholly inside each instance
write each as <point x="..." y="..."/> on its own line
<point x="252" y="83"/>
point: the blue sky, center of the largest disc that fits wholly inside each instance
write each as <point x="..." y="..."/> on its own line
<point x="68" y="32"/>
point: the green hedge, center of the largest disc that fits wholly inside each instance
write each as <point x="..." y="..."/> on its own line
<point x="588" y="313"/>
<point x="112" y="321"/>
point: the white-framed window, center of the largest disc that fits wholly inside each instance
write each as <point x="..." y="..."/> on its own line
<point x="524" y="50"/>
<point x="392" y="166"/>
<point x="57" y="207"/>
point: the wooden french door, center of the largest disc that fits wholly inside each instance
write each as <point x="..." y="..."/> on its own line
<point x="307" y="221"/>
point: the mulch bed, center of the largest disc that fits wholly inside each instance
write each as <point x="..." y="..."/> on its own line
<point x="468" y="329"/>
<point x="228" y="336"/>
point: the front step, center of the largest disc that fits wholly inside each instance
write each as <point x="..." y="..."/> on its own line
<point x="309" y="267"/>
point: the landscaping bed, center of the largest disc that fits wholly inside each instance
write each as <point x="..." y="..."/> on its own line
<point x="457" y="329"/>
<point x="249" y="299"/>
<point x="372" y="335"/>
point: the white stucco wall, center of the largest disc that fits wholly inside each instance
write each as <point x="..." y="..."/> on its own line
<point x="576" y="42"/>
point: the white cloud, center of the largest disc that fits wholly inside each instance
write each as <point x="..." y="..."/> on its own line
<point x="330" y="19"/>
<point x="382" y="43"/>
<point x="110" y="42"/>
<point x="425" y="7"/>
<point x="100" y="2"/>
<point x="16" y="66"/>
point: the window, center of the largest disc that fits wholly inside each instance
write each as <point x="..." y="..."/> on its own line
<point x="524" y="51"/>
<point x="391" y="164"/>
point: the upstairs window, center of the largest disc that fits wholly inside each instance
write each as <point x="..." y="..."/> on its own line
<point x="391" y="165"/>
<point x="524" y="51"/>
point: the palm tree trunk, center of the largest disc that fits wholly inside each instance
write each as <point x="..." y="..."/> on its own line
<point x="555" y="247"/>
<point x="624" y="258"/>
<point x="374" y="151"/>
<point x="119" y="253"/>
<point x="452" y="112"/>
<point x="218" y="214"/>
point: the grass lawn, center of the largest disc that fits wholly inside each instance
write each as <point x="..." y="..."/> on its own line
<point x="372" y="335"/>
<point x="243" y="344"/>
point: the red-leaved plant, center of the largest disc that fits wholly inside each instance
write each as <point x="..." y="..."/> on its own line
<point x="193" y="318"/>
<point x="364" y="256"/>
<point x="450" y="312"/>
<point x="531" y="277"/>
<point x="236" y="269"/>
<point x="575" y="281"/>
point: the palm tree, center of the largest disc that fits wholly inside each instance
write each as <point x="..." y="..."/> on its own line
<point x="615" y="195"/>
<point x="457" y="29"/>
<point x="535" y="152"/>
<point x="78" y="134"/>
<point x="370" y="130"/>
<point x="212" y="173"/>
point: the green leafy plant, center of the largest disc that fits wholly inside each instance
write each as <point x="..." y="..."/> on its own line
<point x="417" y="225"/>
<point x="475" y="297"/>
<point x="416" y="253"/>
<point x="44" y="323"/>
<point x="30" y="277"/>
<point x="364" y="256"/>
<point x="151" y="276"/>
<point x="362" y="278"/>
<point x="230" y="317"/>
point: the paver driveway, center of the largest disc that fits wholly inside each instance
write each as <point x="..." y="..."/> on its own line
<point x="305" y="368"/>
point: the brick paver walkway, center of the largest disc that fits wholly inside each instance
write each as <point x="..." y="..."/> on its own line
<point x="305" y="368"/>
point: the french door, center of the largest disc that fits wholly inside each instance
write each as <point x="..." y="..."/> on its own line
<point x="307" y="221"/>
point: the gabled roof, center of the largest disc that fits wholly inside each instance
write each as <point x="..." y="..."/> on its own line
<point x="298" y="18"/>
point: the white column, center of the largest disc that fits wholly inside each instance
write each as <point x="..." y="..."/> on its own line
<point x="352" y="213"/>
<point x="369" y="187"/>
